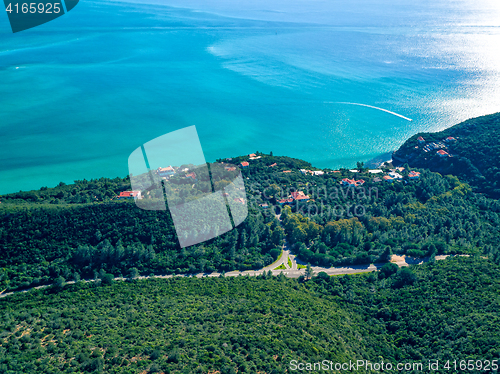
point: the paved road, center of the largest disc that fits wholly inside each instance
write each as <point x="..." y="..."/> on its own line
<point x="290" y="273"/>
<point x="283" y="260"/>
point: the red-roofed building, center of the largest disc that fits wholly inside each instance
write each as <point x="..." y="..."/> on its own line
<point x="287" y="171"/>
<point x="348" y="182"/>
<point x="442" y="153"/>
<point x="450" y="139"/>
<point x="285" y="201"/>
<point x="165" y="172"/>
<point x="352" y="182"/>
<point x="294" y="196"/>
<point x="244" y="164"/>
<point x="414" y="175"/>
<point x="129" y="195"/>
<point x="302" y="198"/>
<point x="421" y="140"/>
<point x="388" y="178"/>
<point x="192" y="176"/>
<point x="273" y="165"/>
<point x="299" y="195"/>
<point x="252" y="155"/>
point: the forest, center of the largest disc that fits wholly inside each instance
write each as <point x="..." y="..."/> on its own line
<point x="41" y="244"/>
<point x="443" y="310"/>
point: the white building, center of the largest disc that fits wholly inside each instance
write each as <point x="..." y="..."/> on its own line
<point x="395" y="175"/>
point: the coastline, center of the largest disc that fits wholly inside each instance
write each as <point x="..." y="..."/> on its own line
<point x="378" y="161"/>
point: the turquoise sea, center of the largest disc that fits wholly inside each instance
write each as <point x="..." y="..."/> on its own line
<point x="79" y="94"/>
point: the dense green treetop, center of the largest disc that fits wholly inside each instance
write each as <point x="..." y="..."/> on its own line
<point x="447" y="310"/>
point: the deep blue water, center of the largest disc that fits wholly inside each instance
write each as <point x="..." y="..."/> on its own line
<point x="79" y="94"/>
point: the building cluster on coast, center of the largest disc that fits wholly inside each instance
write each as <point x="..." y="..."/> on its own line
<point x="164" y="173"/>
<point x="170" y="171"/>
<point x="393" y="175"/>
<point x="380" y="175"/>
<point x="439" y="146"/>
<point x="186" y="174"/>
<point x="348" y="179"/>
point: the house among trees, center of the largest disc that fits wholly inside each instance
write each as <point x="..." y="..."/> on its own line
<point x="273" y="165"/>
<point x="395" y="175"/>
<point x="421" y="140"/>
<point x="244" y="164"/>
<point x="299" y="195"/>
<point x="286" y="201"/>
<point x="129" y="195"/>
<point x="312" y="172"/>
<point x="414" y="175"/>
<point x="165" y="172"/>
<point x="388" y="178"/>
<point x="442" y="153"/>
<point x="192" y="175"/>
<point x="352" y="182"/>
<point x="450" y="139"/>
<point x="252" y="155"/>
<point x="432" y="146"/>
<point x="294" y="196"/>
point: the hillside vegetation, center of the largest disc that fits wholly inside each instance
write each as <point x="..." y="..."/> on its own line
<point x="446" y="310"/>
<point x="476" y="153"/>
<point x="44" y="237"/>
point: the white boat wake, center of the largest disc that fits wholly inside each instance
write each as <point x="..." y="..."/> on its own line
<point x="370" y="106"/>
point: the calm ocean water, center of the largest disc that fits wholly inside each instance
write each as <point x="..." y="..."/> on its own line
<point x="79" y="94"/>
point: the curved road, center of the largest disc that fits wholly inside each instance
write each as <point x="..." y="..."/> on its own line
<point x="291" y="273"/>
